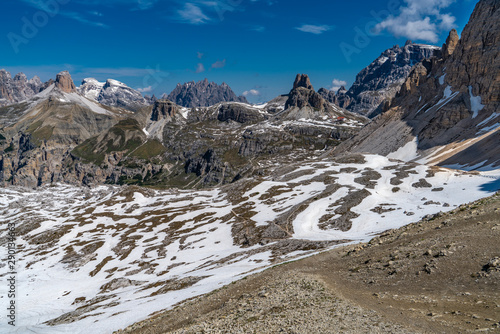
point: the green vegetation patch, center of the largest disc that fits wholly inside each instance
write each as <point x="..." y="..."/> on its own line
<point x="150" y="149"/>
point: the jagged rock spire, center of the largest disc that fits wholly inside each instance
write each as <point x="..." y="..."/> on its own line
<point x="302" y="80"/>
<point x="451" y="44"/>
<point x="64" y="82"/>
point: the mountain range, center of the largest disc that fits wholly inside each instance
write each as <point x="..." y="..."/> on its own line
<point x="125" y="206"/>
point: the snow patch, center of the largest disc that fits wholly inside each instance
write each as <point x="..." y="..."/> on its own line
<point x="408" y="152"/>
<point x="475" y="103"/>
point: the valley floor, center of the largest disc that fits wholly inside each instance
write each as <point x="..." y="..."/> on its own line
<point x="440" y="275"/>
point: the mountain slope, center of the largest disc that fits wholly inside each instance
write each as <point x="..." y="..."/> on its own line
<point x="203" y="94"/>
<point x="108" y="256"/>
<point x="40" y="132"/>
<point x="447" y="110"/>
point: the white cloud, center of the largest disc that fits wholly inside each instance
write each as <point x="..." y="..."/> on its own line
<point x="336" y="84"/>
<point x="251" y="92"/>
<point x="219" y="64"/>
<point x="145" y="89"/>
<point x="200" y="68"/>
<point x="258" y="28"/>
<point x="314" y="29"/>
<point x="199" y="55"/>
<point x="193" y="14"/>
<point x="419" y="20"/>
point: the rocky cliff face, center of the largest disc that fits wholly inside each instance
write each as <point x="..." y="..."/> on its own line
<point x="203" y="94"/>
<point x="304" y="102"/>
<point x="164" y="109"/>
<point x="380" y="81"/>
<point x="447" y="111"/>
<point x="339" y="98"/>
<point x="65" y="83"/>
<point x="17" y="89"/>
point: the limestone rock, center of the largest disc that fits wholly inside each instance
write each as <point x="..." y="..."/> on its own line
<point x="302" y="80"/>
<point x="451" y="44"/>
<point x="164" y="109"/>
<point x="381" y="80"/>
<point x="64" y="82"/>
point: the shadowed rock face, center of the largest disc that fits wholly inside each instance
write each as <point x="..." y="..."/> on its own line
<point x="302" y="80"/>
<point x="163" y="109"/>
<point x="64" y="82"/>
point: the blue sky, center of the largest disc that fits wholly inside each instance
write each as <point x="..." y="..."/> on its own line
<point x="256" y="46"/>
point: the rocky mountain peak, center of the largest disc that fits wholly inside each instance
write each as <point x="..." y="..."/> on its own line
<point x="447" y="104"/>
<point x="21" y="77"/>
<point x="19" y="88"/>
<point x="112" y="93"/>
<point x="305" y="101"/>
<point x="451" y="44"/>
<point x="302" y="80"/>
<point x="65" y="83"/>
<point x="203" y="94"/>
<point x="380" y="81"/>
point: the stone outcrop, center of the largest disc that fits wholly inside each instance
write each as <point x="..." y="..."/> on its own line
<point x="302" y="96"/>
<point x="164" y="109"/>
<point x="451" y="43"/>
<point x="203" y="94"/>
<point x="239" y="113"/>
<point x="65" y="83"/>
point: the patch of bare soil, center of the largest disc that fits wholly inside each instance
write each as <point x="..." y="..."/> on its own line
<point x="440" y="275"/>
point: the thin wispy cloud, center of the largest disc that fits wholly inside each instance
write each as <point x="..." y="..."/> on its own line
<point x="192" y="14"/>
<point x="219" y="64"/>
<point x="258" y="28"/>
<point x="208" y="11"/>
<point x="78" y="17"/>
<point x="315" y="29"/>
<point x="419" y="20"/>
<point x="200" y="68"/>
<point x="53" y="10"/>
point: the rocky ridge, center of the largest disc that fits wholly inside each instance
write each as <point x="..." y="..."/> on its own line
<point x="203" y="94"/>
<point x="163" y="144"/>
<point x="378" y="83"/>
<point x="17" y="89"/>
